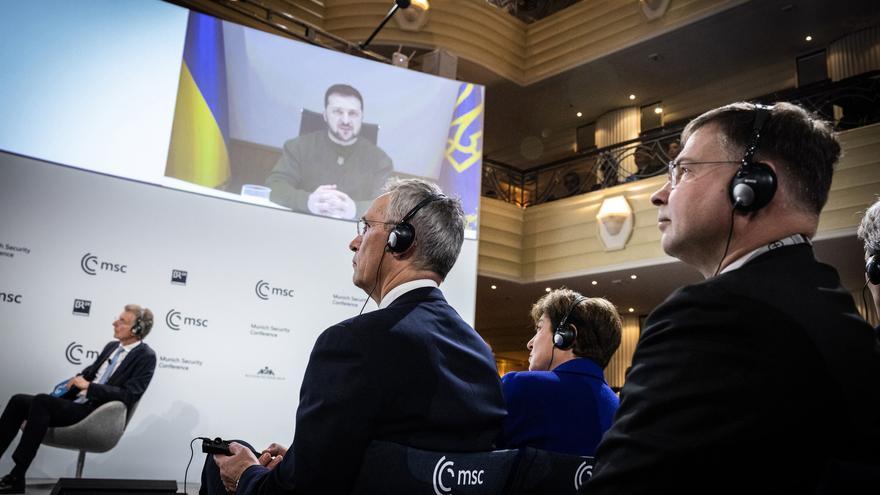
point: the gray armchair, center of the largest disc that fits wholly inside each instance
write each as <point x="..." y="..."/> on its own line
<point x="100" y="431"/>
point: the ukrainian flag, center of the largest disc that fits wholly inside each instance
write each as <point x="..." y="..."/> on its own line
<point x="198" y="151"/>
<point x="462" y="162"/>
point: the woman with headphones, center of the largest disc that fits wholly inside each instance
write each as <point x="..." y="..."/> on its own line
<point x="563" y="403"/>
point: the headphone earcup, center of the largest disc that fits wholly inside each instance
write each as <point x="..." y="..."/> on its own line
<point x="563" y="338"/>
<point x="401" y="238"/>
<point x="872" y="268"/>
<point x="752" y="187"/>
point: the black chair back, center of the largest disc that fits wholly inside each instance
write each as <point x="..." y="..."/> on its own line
<point x="393" y="469"/>
<point x="540" y="472"/>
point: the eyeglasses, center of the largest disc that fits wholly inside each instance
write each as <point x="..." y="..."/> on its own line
<point x="677" y="170"/>
<point x="363" y="225"/>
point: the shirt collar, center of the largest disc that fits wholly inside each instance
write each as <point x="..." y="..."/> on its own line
<point x="403" y="288"/>
<point x="129" y="347"/>
<point x="786" y="241"/>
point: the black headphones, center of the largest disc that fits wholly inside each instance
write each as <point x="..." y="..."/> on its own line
<point x="872" y="268"/>
<point x="403" y="234"/>
<point x="137" y="327"/>
<point x="754" y="184"/>
<point x="563" y="336"/>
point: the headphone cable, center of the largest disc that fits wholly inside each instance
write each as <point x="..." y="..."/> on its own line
<point x="191" y="454"/>
<point x="729" y="237"/>
<point x="375" y="284"/>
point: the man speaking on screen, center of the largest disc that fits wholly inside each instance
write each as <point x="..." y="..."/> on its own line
<point x="334" y="172"/>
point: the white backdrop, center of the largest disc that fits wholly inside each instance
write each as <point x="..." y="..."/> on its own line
<point x="55" y="219"/>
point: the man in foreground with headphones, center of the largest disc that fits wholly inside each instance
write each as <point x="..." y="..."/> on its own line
<point x="562" y="403"/>
<point x="762" y="378"/>
<point x="412" y="372"/>
<point x="122" y="372"/>
<point x="869" y="233"/>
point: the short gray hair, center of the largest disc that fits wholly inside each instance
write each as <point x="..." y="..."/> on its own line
<point x="439" y="225"/>
<point x="869" y="229"/>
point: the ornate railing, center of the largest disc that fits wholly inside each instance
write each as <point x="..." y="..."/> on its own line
<point x="850" y="103"/>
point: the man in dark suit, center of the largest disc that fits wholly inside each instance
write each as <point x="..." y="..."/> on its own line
<point x="122" y="372"/>
<point x="412" y="372"/>
<point x="762" y="378"/>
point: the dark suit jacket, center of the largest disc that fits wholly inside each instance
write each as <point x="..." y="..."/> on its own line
<point x="749" y="382"/>
<point x="413" y="373"/>
<point x="565" y="410"/>
<point x="127" y="383"/>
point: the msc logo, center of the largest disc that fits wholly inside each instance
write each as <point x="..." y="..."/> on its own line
<point x="91" y="264"/>
<point x="10" y="297"/>
<point x="74" y="353"/>
<point x="81" y="307"/>
<point x="178" y="277"/>
<point x="175" y="320"/>
<point x="264" y="291"/>
<point x="463" y="477"/>
<point x="266" y="371"/>
<point x="583" y="474"/>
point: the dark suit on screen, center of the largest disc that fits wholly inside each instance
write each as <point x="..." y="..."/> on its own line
<point x="413" y="373"/>
<point x="127" y="383"/>
<point x="759" y="380"/>
<point x="565" y="410"/>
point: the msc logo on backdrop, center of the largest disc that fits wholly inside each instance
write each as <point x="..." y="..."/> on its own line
<point x="174" y="319"/>
<point x="445" y="470"/>
<point x="81" y="307"/>
<point x="178" y="277"/>
<point x="264" y="291"/>
<point x="9" y="297"/>
<point x="74" y="353"/>
<point x="91" y="264"/>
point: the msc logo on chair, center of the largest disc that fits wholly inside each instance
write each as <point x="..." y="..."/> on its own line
<point x="582" y="474"/>
<point x="446" y="476"/>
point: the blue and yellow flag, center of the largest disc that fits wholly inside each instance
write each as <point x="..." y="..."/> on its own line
<point x="462" y="163"/>
<point x="198" y="151"/>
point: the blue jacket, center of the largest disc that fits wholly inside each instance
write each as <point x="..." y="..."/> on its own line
<point x="565" y="410"/>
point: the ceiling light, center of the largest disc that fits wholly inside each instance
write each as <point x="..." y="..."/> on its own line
<point x="633" y="276"/>
<point x="632" y="310"/>
<point x="494" y="286"/>
<point x="547" y="289"/>
<point x="632" y="97"/>
<point x="595" y="282"/>
<point x="658" y="109"/>
<point x="579" y="114"/>
<point x="809" y="38"/>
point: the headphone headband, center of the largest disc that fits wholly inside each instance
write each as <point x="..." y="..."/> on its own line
<point x="422" y="203"/>
<point x="754" y="184"/>
<point x="762" y="114"/>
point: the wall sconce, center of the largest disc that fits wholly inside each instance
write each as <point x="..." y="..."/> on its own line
<point x="615" y="220"/>
<point x="413" y="18"/>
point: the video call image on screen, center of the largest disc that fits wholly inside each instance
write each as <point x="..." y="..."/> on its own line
<point x="208" y="106"/>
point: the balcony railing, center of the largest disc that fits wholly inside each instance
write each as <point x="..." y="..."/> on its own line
<point x="850" y="103"/>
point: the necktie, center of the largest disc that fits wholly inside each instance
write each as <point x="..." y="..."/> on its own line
<point x="111" y="365"/>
